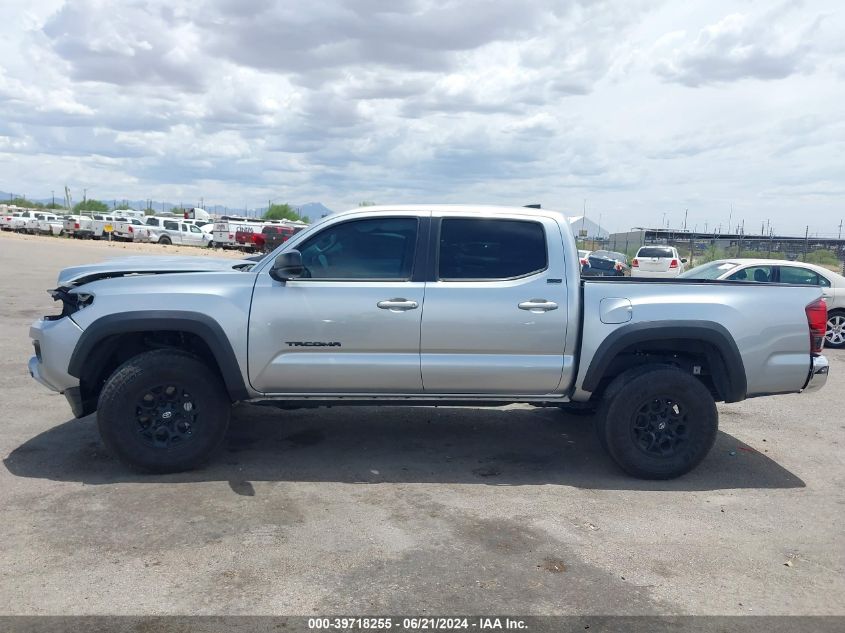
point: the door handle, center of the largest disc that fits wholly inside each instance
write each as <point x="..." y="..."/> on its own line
<point x="397" y="305"/>
<point x="538" y="305"/>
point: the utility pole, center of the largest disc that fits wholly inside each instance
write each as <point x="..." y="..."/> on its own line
<point x="53" y="195"/>
<point x="686" y="211"/>
<point x="730" y="217"/>
<point x="84" y="195"/>
<point x="806" y="241"/>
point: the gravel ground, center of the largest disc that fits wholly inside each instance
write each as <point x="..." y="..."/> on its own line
<point x="407" y="511"/>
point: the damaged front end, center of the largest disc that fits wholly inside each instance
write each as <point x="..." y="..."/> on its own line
<point x="71" y="301"/>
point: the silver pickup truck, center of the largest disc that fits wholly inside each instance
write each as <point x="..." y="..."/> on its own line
<point x="419" y="305"/>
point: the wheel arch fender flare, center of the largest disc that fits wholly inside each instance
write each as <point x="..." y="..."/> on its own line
<point x="195" y="323"/>
<point x="734" y="386"/>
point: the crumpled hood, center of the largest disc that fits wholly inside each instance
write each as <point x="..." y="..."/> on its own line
<point x="77" y="275"/>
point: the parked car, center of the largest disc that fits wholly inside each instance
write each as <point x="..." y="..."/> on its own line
<point x="783" y="271"/>
<point x="605" y="264"/>
<point x="70" y="223"/>
<point x="249" y="239"/>
<point x="423" y="305"/>
<point x="657" y="261"/>
<point x="275" y="235"/>
<point x="176" y="231"/>
<point x="226" y="229"/>
<point x="31" y="224"/>
<point x="124" y="229"/>
<point x="50" y="225"/>
<point x="6" y="220"/>
<point x="18" y="221"/>
<point x="102" y="226"/>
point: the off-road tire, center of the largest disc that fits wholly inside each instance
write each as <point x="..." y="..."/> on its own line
<point x="624" y="420"/>
<point x="122" y="399"/>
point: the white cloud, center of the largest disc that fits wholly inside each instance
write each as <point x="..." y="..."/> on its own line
<point x="639" y="107"/>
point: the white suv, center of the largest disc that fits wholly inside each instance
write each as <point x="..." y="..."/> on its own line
<point x="657" y="261"/>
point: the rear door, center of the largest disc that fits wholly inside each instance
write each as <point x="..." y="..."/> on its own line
<point x="495" y="315"/>
<point x="805" y="277"/>
<point x="171" y="227"/>
<point x="352" y="325"/>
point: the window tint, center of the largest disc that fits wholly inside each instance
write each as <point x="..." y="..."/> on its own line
<point x="760" y="274"/>
<point x="170" y="225"/>
<point x="381" y="248"/>
<point x="152" y="221"/>
<point x="797" y="275"/>
<point x="490" y="249"/>
<point x="655" y="251"/>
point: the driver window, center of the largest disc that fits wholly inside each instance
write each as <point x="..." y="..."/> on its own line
<point x="377" y="248"/>
<point x="194" y="229"/>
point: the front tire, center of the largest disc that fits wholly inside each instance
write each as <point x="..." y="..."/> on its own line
<point x="658" y="424"/>
<point x="163" y="411"/>
<point x="834" y="337"/>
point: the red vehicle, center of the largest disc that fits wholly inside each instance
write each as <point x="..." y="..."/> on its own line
<point x="276" y="234"/>
<point x="247" y="239"/>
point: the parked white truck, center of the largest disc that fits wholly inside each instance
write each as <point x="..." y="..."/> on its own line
<point x="419" y="305"/>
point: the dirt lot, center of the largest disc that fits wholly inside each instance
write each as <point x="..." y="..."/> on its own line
<point x="399" y="511"/>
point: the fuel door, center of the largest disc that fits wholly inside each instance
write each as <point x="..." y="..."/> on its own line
<point x="615" y="310"/>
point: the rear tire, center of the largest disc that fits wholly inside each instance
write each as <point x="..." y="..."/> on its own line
<point x="163" y="411"/>
<point x="164" y="240"/>
<point x="835" y="331"/>
<point x="659" y="423"/>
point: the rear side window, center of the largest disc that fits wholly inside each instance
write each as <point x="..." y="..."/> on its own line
<point x="378" y="249"/>
<point x="490" y="249"/>
<point x="170" y="225"/>
<point x="655" y="251"/>
<point x="796" y="275"/>
<point x="759" y="274"/>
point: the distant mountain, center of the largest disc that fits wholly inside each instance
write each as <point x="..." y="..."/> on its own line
<point x="313" y="210"/>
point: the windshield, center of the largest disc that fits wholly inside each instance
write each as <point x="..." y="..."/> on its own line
<point x="713" y="270"/>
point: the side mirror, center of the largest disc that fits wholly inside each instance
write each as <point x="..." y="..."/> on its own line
<point x="683" y="260"/>
<point x="287" y="266"/>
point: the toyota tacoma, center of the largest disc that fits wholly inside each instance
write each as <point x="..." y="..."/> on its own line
<point x="419" y="305"/>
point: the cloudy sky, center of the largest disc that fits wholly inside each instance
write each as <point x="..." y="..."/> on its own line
<point x="643" y="108"/>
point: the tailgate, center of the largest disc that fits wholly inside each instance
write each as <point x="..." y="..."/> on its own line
<point x="654" y="264"/>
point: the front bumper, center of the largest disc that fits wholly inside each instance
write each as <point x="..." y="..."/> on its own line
<point x="56" y="340"/>
<point x="818" y="374"/>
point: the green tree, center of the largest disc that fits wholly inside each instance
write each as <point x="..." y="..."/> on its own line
<point x="177" y="210"/>
<point x="91" y="206"/>
<point x="283" y="212"/>
<point x="822" y="257"/>
<point x="54" y="205"/>
<point x="27" y="204"/>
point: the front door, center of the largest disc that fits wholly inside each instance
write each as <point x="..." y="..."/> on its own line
<point x="351" y="324"/>
<point x="495" y="317"/>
